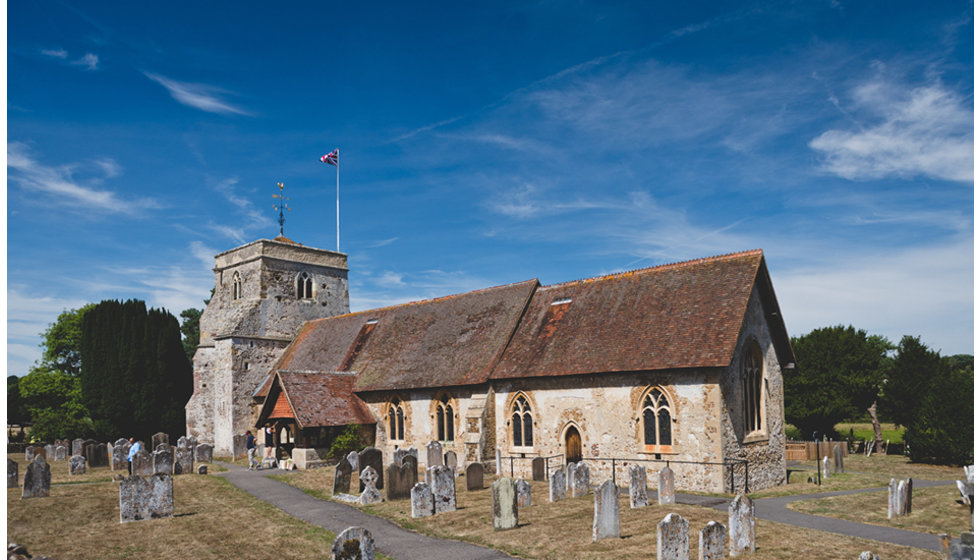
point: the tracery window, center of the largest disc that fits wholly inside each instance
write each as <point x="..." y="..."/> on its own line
<point x="396" y="420"/>
<point x="445" y="423"/>
<point x="752" y="384"/>
<point x="304" y="286"/>
<point x="656" y="419"/>
<point x="236" y="286"/>
<point x="523" y="422"/>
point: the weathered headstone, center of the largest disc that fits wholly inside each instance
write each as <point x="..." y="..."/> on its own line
<point x="556" y="486"/>
<point x="352" y="459"/>
<point x="341" y="477"/>
<point x="422" y="503"/>
<point x="605" y="519"/>
<point x="673" y="540"/>
<point x="370" y="494"/>
<point x="354" y="543"/>
<point x="638" y="487"/>
<point x="523" y="489"/>
<point x="29" y="453"/>
<point x="159" y="438"/>
<point x="907" y="498"/>
<point x="37" y="479"/>
<point x="499" y="466"/>
<point x="238" y="446"/>
<point x="433" y="454"/>
<point x="184" y="459"/>
<point x="504" y="494"/>
<point x="962" y="550"/>
<point x="401" y="478"/>
<point x="580" y="480"/>
<point x="901" y="495"/>
<point x="77" y="445"/>
<point x="76" y="465"/>
<point x="163" y="461"/>
<point x="60" y="453"/>
<point x="371" y="457"/>
<point x="399" y="454"/>
<point x="741" y="525"/>
<point x="537" y="469"/>
<point x="826" y="466"/>
<point x="50" y="453"/>
<point x="665" y="486"/>
<point x="202" y="468"/>
<point x="96" y="455"/>
<point x="146" y="497"/>
<point x="868" y="555"/>
<point x="838" y="459"/>
<point x="711" y="542"/>
<point x="204" y="453"/>
<point x="474" y="476"/>
<point x="120" y="449"/>
<point x="570" y="475"/>
<point x="968" y="472"/>
<point x="966" y="491"/>
<point x="12" y="473"/>
<point x="450" y="460"/>
<point x="142" y="463"/>
<point x="443" y="482"/>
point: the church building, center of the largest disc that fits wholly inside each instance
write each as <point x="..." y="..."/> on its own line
<point x="680" y="363"/>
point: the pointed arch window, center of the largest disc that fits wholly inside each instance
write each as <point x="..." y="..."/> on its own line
<point x="523" y="422"/>
<point x="236" y="286"/>
<point x="304" y="286"/>
<point x="752" y="385"/>
<point x="657" y="429"/>
<point x="396" y="420"/>
<point x="445" y="422"/>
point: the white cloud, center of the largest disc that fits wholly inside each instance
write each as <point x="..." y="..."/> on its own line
<point x="925" y="131"/>
<point x="198" y="96"/>
<point x="55" y="53"/>
<point x="89" y="61"/>
<point x="382" y="243"/>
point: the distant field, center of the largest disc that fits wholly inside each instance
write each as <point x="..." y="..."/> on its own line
<point x="862" y="430"/>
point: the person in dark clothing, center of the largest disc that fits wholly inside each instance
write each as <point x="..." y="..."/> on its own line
<point x="250" y="448"/>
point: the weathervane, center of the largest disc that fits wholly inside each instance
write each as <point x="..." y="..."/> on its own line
<point x="281" y="206"/>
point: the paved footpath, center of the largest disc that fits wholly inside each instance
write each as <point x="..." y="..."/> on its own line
<point x="335" y="516"/>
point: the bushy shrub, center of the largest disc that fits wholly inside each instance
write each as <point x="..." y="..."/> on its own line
<point x="349" y="440"/>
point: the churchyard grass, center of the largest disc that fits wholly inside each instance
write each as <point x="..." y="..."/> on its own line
<point x="865" y="431"/>
<point x="564" y="529"/>
<point x="934" y="510"/>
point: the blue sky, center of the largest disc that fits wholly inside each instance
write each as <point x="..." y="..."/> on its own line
<point x="484" y="144"/>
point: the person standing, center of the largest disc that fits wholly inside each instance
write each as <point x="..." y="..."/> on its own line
<point x="134" y="448"/>
<point x="250" y="448"/>
<point x="270" y="444"/>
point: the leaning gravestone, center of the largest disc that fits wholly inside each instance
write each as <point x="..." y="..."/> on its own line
<point x="450" y="460"/>
<point x="638" y="487"/>
<point x="838" y="459"/>
<point x="61" y="453"/>
<point x="443" y="482"/>
<point x="523" y="489"/>
<point x="184" y="460"/>
<point x="371" y="494"/>
<point x="12" y="473"/>
<point x="204" y="453"/>
<point x="474" y="476"/>
<point x="142" y="463"/>
<point x="422" y="504"/>
<point x="537" y="469"/>
<point x="159" y="438"/>
<point x="673" y="541"/>
<point x="37" y="479"/>
<point x="355" y="543"/>
<point x="556" y="486"/>
<point x="148" y="497"/>
<point x="711" y="542"/>
<point x="580" y="480"/>
<point x="401" y="479"/>
<point x="77" y="445"/>
<point x="433" y="454"/>
<point x="76" y="465"/>
<point x="665" y="486"/>
<point x="352" y="459"/>
<point x="163" y="461"/>
<point x="966" y="492"/>
<point x="341" y="477"/>
<point x="504" y="494"/>
<point x="741" y="525"/>
<point x="605" y="520"/>
<point x="371" y="457"/>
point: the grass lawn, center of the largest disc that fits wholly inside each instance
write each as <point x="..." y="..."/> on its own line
<point x="862" y="430"/>
<point x="564" y="529"/>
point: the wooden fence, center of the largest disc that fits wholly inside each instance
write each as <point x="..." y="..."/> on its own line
<point x="812" y="450"/>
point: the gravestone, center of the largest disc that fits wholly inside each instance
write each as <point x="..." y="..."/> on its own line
<point x="399" y="454"/>
<point x="868" y="555"/>
<point x="146" y="497"/>
<point x="580" y="480"/>
<point x="184" y="460"/>
<point x="371" y="457"/>
<point x="892" y="498"/>
<point x="37" y="479"/>
<point x="443" y="482"/>
<point x="556" y="486"/>
<point x="901" y="498"/>
<point x="962" y="550"/>
<point x="523" y="489"/>
<point x="77" y="445"/>
<point x="163" y="461"/>
<point x="29" y="453"/>
<point x="422" y="503"/>
<point x="401" y="479"/>
<point x="638" y="487"/>
<point x="12" y="473"/>
<point x="164" y="446"/>
<point x="673" y="541"/>
<point x="499" y="466"/>
<point x="711" y="542"/>
<point x="474" y="476"/>
<point x="158" y="438"/>
<point x="433" y="454"/>
<point x="968" y="472"/>
<point x="49" y="452"/>
<point x="370" y="494"/>
<point x="537" y="469"/>
<point x="665" y="486"/>
<point x="570" y="475"/>
<point x="352" y="459"/>
<point x="741" y="525"/>
<point x="341" y="477"/>
<point x="907" y="498"/>
<point x="411" y="462"/>
<point x="96" y="455"/>
<point x="120" y="450"/>
<point x="966" y="491"/>
<point x="450" y="460"/>
<point x="354" y="543"/>
<point x="826" y="466"/>
<point x="76" y="465"/>
<point x="838" y="459"/>
<point x="142" y="463"/>
<point x="238" y="446"/>
<point x="504" y="494"/>
<point x="61" y="453"/>
<point x="202" y="469"/>
<point x="204" y="453"/>
<point x="605" y="519"/>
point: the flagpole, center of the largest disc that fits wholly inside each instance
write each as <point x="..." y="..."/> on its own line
<point x="338" y="200"/>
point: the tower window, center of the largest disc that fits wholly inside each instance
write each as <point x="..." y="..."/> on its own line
<point x="304" y="286"/>
<point x="236" y="286"/>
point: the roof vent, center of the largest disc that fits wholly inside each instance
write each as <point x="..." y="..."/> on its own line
<point x="562" y="301"/>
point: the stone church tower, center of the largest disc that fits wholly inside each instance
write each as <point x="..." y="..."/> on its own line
<point x="263" y="293"/>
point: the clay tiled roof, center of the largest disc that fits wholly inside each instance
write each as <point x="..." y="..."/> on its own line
<point x="282" y="409"/>
<point x="315" y="400"/>
<point x="681" y="315"/>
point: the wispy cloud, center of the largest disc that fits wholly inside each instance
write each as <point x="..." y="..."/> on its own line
<point x="199" y="96"/>
<point x="89" y="61"/>
<point x="65" y="189"/>
<point x="382" y="243"/>
<point x="921" y="131"/>
<point x="55" y="53"/>
<point x="255" y="218"/>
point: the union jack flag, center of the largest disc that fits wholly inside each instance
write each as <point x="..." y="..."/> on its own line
<point x="331" y="158"/>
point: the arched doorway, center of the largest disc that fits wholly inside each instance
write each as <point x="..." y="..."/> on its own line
<point x="573" y="445"/>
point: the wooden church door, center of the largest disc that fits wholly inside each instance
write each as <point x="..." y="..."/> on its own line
<point x="573" y="446"/>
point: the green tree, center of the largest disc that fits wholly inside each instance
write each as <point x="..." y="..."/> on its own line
<point x="190" y="328"/>
<point x="838" y="375"/>
<point x="53" y="401"/>
<point x="911" y="372"/>
<point x="16" y="409"/>
<point x="63" y="341"/>
<point x="942" y="430"/>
